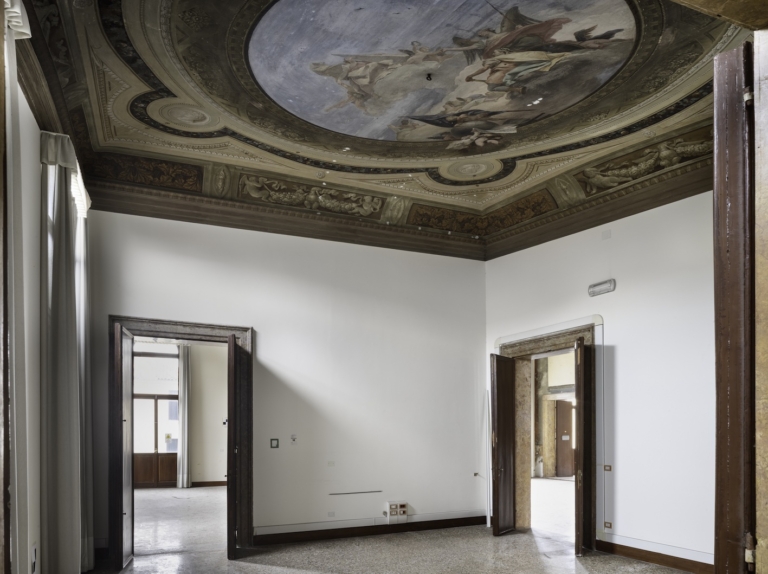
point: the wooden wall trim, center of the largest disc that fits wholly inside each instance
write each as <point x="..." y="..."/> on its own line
<point x="335" y="533"/>
<point x="655" y="558"/>
<point x="734" y="201"/>
<point x="209" y="483"/>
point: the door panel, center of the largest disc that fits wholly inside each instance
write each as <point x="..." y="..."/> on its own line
<point x="144" y="470"/>
<point x="503" y="443"/>
<point x="166" y="469"/>
<point x="564" y="433"/>
<point x="231" y="443"/>
<point x="585" y="448"/>
<point x="124" y="382"/>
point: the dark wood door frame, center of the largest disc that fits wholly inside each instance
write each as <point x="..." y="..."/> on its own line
<point x="240" y="415"/>
<point x="503" y="444"/>
<point x="734" y="231"/>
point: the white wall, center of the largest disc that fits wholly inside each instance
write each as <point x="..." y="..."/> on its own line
<point x="372" y="357"/>
<point x="560" y="371"/>
<point x="207" y="411"/>
<point x="659" y="361"/>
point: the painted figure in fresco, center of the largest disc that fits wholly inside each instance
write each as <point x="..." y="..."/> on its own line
<point x="505" y="60"/>
<point x="358" y="76"/>
<point x="507" y="70"/>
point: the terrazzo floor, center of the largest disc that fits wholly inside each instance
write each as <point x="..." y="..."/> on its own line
<point x="183" y="533"/>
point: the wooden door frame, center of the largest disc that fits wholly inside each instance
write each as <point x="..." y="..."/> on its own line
<point x="558" y="341"/>
<point x="734" y="265"/>
<point x="496" y="431"/>
<point x="240" y="411"/>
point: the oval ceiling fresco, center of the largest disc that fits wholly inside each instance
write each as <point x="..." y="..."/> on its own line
<point x="463" y="71"/>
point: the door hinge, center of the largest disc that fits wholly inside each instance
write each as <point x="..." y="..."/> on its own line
<point x="749" y="552"/>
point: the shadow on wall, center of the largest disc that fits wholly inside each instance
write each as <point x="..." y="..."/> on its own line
<point x="335" y="450"/>
<point x="609" y="428"/>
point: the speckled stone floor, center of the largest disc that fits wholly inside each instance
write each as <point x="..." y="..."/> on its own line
<point x="197" y="547"/>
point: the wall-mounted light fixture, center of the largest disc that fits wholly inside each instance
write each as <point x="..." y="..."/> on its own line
<point x="601" y="288"/>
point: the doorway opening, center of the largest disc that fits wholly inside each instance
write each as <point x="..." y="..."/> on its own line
<point x="520" y="406"/>
<point x="179" y="446"/>
<point x="152" y="394"/>
<point x="553" y="473"/>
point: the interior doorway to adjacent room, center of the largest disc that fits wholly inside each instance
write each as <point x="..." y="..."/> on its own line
<point x="524" y="403"/>
<point x="179" y="446"/>
<point x="165" y="408"/>
<point x="554" y="442"/>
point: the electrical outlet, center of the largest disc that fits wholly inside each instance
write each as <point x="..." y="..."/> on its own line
<point x="608" y="525"/>
<point x="274" y="443"/>
<point x="294" y="439"/>
<point x="607" y="468"/>
<point x="396" y="512"/>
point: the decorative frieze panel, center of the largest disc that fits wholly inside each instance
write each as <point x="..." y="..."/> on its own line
<point x="519" y="211"/>
<point x="317" y="198"/>
<point x="646" y="161"/>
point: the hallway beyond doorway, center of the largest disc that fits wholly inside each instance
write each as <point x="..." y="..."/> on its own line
<point x="553" y="507"/>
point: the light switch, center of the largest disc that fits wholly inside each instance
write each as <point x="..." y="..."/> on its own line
<point x="274" y="443"/>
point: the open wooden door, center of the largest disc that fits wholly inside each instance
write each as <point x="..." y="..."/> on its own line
<point x="503" y="443"/>
<point x="122" y="529"/>
<point x="231" y="447"/>
<point x="585" y="449"/>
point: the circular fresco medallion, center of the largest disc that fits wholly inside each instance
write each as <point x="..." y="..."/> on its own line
<point x="462" y="71"/>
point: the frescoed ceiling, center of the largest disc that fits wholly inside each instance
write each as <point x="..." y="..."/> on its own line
<point x="470" y="128"/>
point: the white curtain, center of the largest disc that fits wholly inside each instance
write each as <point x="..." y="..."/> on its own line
<point x="66" y="455"/>
<point x="182" y="461"/>
<point x="20" y="336"/>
